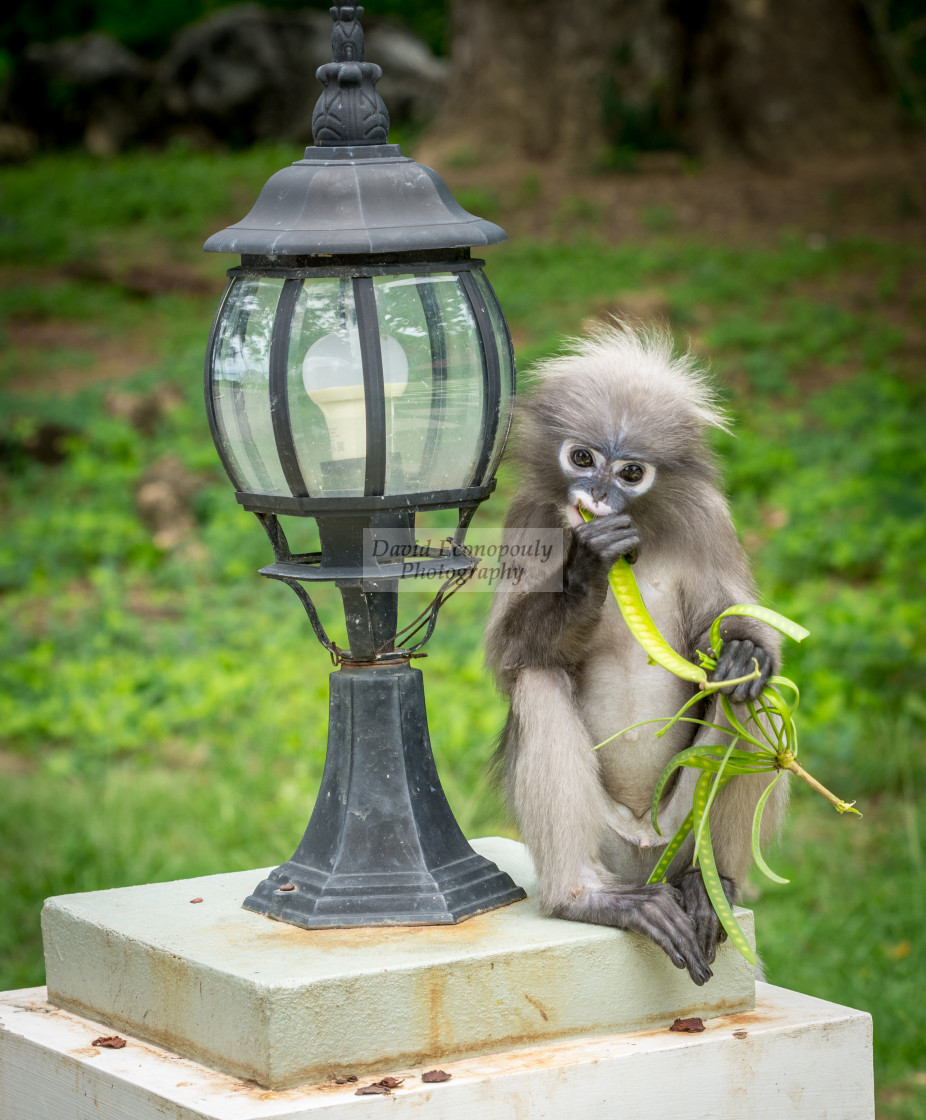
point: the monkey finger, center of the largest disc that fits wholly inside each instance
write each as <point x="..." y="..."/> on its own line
<point x="725" y="660"/>
<point x="750" y="690"/>
<point x="604" y="523"/>
<point x="737" y="660"/>
<point x="674" y="932"/>
<point x="603" y="529"/>
<point x="626" y="545"/>
<point x="608" y="547"/>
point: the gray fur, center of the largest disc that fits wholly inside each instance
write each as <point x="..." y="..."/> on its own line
<point x="573" y="671"/>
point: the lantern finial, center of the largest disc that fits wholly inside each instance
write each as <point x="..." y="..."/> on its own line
<point x="349" y="112"/>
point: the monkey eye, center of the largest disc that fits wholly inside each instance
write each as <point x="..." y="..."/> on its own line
<point x="582" y="458"/>
<point x="632" y="472"/>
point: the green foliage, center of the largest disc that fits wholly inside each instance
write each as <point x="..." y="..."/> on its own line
<point x="163" y="711"/>
<point x="66" y="207"/>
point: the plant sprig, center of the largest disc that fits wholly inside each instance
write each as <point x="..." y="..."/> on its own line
<point x="769" y="730"/>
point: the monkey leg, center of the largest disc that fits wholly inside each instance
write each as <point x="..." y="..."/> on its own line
<point x="555" y="791"/>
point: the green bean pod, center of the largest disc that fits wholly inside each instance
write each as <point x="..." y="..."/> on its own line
<point x="639" y="623"/>
<point x="757" y="828"/>
<point x="709" y="873"/>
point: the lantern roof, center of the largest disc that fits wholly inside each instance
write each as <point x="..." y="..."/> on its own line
<point x="353" y="193"/>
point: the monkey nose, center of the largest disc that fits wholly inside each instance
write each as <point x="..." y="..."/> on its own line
<point x="598" y="492"/>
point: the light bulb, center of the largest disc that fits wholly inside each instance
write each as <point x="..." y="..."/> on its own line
<point x="332" y="372"/>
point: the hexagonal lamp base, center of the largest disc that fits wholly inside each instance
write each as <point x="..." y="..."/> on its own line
<point x="382" y="846"/>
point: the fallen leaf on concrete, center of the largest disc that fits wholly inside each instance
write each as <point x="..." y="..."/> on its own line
<point x="372" y="1091"/>
<point x="433" y="1076"/>
<point x="741" y="1034"/>
<point x="111" y="1042"/>
<point x="392" y="1082"/>
<point x="689" y="1026"/>
<point x="195" y="900"/>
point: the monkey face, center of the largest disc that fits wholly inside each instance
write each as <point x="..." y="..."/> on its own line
<point x="599" y="483"/>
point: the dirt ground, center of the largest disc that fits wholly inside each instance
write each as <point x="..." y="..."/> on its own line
<point x="881" y="194"/>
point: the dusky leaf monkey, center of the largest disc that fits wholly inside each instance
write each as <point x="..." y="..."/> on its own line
<point x="618" y="425"/>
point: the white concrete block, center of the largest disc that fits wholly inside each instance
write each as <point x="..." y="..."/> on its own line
<point x="283" y="1006"/>
<point x="791" y="1058"/>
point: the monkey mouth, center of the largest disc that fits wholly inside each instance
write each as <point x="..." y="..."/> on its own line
<point x="586" y="502"/>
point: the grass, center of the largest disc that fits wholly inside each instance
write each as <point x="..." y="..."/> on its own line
<point x="163" y="711"/>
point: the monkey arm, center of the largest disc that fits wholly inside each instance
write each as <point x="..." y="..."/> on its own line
<point x="548" y="624"/>
<point x="724" y="580"/>
<point x="553" y="785"/>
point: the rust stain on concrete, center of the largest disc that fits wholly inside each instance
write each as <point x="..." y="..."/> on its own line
<point x="535" y="1003"/>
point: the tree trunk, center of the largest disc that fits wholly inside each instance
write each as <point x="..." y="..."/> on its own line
<point x="780" y="79"/>
<point x="769" y="79"/>
<point x="525" y="75"/>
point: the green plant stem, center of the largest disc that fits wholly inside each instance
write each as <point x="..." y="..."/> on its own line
<point x="838" y="804"/>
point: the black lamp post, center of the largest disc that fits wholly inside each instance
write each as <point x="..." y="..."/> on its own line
<point x="359" y="370"/>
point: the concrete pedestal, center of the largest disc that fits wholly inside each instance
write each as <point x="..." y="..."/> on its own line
<point x="791" y="1058"/>
<point x="227" y="1015"/>
<point x="284" y="1006"/>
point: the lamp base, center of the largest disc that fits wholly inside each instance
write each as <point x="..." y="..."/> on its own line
<point x="382" y="846"/>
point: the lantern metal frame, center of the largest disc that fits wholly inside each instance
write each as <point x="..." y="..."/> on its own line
<point x="382" y="845"/>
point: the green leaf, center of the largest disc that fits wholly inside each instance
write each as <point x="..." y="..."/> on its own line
<point x="681" y="833"/>
<point x="737" y="725"/>
<point x="757" y="827"/>
<point x="683" y="758"/>
<point x="716" y="784"/>
<point x="766" y="728"/>
<point x="780" y="682"/>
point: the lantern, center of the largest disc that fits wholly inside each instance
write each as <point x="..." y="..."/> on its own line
<point x="359" y="371"/>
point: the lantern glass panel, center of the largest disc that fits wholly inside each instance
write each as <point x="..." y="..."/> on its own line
<point x="239" y="385"/>
<point x="434" y="422"/>
<point x="325" y="385"/>
<point x="438" y="408"/>
<point x="506" y="371"/>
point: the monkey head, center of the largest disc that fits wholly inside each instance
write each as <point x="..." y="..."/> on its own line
<point x="617" y="425"/>
<point x="602" y="480"/>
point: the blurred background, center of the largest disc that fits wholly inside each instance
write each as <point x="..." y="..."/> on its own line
<point x="750" y="172"/>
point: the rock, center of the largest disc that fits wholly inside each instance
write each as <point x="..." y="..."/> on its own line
<point x="90" y="89"/>
<point x="247" y="73"/>
<point x="164" y="500"/>
<point x="414" y="80"/>
<point x="144" y="410"/>
<point x="16" y="144"/>
<point x="242" y="75"/>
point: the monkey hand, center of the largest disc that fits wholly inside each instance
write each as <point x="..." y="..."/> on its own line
<point x="708" y="930"/>
<point x="739" y="659"/>
<point x="656" y="911"/>
<point x="608" y="538"/>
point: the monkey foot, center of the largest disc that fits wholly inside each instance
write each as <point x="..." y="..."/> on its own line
<point x="656" y="911"/>
<point x="698" y="907"/>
